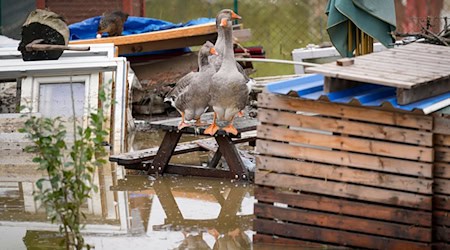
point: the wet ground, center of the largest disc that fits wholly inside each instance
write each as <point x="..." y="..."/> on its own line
<point x="132" y="210"/>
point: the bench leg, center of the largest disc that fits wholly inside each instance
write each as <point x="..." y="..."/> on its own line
<point x="165" y="152"/>
<point x="215" y="160"/>
<point x="231" y="155"/>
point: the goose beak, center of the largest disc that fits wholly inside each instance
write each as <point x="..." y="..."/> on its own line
<point x="224" y="22"/>
<point x="213" y="51"/>
<point x="235" y="16"/>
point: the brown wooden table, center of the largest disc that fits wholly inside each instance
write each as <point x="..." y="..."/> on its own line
<point x="156" y="161"/>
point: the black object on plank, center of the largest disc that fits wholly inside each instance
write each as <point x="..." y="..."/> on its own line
<point x="46" y="25"/>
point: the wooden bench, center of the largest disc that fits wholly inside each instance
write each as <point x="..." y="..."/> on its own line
<point x="156" y="160"/>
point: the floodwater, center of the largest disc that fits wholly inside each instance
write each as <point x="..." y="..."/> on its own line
<point x="132" y="210"/>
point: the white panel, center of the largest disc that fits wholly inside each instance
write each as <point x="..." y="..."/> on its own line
<point x="56" y="99"/>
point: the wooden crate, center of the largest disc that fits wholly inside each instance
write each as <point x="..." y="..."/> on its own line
<point x="441" y="187"/>
<point x="342" y="175"/>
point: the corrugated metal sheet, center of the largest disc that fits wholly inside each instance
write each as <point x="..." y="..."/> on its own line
<point x="311" y="87"/>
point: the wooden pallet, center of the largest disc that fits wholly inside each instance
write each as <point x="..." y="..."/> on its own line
<point x="441" y="189"/>
<point x="418" y="71"/>
<point x="342" y="175"/>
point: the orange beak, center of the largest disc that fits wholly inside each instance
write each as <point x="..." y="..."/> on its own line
<point x="235" y="16"/>
<point x="224" y="22"/>
<point x="213" y="51"/>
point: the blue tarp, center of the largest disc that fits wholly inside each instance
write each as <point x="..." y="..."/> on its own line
<point x="87" y="29"/>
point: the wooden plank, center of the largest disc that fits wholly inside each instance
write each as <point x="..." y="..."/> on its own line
<point x="442" y="154"/>
<point x="356" y="160"/>
<point x="409" y="61"/>
<point x="424" y="91"/>
<point x="184" y="32"/>
<point x="341" y="222"/>
<point x="442" y="170"/>
<point x="345" y="190"/>
<point x="442" y="186"/>
<point x="354" y="74"/>
<point x="441" y="125"/>
<point x="345" y="207"/>
<point x="165" y="152"/>
<point x="269" y="242"/>
<point x="443" y="140"/>
<point x="441" y="202"/>
<point x="441" y="218"/>
<point x="410" y="67"/>
<point x="347" y="127"/>
<point x="333" y="236"/>
<point x="331" y="84"/>
<point x="344" y="174"/>
<point x="442" y="234"/>
<point x="347" y="143"/>
<point x="282" y="102"/>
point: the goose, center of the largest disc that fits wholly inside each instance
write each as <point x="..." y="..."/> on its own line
<point x="228" y="89"/>
<point x="190" y="96"/>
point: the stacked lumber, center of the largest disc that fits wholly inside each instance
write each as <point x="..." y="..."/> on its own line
<point x="341" y="175"/>
<point x="441" y="187"/>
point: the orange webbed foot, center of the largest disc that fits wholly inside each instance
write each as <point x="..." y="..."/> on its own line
<point x="230" y="129"/>
<point x="240" y="113"/>
<point x="212" y="129"/>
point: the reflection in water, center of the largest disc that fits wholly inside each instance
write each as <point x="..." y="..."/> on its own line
<point x="190" y="213"/>
<point x="137" y="212"/>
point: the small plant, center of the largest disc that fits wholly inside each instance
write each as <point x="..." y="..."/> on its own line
<point x="70" y="168"/>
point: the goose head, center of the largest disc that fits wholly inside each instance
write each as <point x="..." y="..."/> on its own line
<point x="226" y="13"/>
<point x="208" y="49"/>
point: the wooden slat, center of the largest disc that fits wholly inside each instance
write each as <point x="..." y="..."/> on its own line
<point x="333" y="236"/>
<point x="442" y="186"/>
<point x="347" y="127"/>
<point x="424" y="91"/>
<point x="341" y="222"/>
<point x="11" y="123"/>
<point x="443" y="140"/>
<point x="282" y="102"/>
<point x="344" y="174"/>
<point x="442" y="234"/>
<point x="345" y="158"/>
<point x="410" y="66"/>
<point x="347" y="143"/>
<point x="441" y="125"/>
<point x="442" y="170"/>
<point x="441" y="202"/>
<point x="357" y="74"/>
<point x="183" y="32"/>
<point x="345" y="190"/>
<point x="441" y="218"/>
<point x="269" y="242"/>
<point x="442" y="154"/>
<point x="342" y="206"/>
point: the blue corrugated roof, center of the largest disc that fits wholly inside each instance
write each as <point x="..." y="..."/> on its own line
<point x="311" y="87"/>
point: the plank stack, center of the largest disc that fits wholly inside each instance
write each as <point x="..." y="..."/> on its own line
<point x="345" y="175"/>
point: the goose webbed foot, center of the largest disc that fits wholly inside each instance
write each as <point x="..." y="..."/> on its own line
<point x="182" y="123"/>
<point x="230" y="129"/>
<point x="212" y="129"/>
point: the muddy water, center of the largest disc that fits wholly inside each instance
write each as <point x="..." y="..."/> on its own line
<point x="134" y="211"/>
